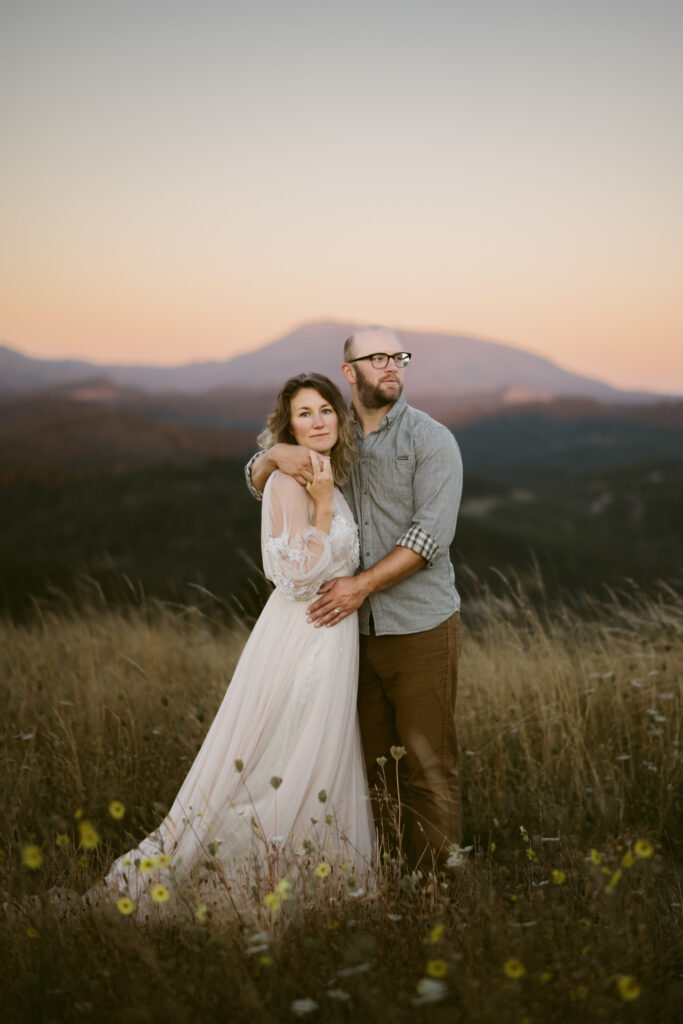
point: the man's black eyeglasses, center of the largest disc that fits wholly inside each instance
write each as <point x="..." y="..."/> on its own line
<point x="380" y="359"/>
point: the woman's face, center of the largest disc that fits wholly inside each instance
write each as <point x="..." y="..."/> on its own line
<point x="313" y="421"/>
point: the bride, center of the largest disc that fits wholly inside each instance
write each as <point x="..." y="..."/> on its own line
<point x="281" y="768"/>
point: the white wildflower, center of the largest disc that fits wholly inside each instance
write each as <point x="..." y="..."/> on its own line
<point x="348" y="972"/>
<point x="455" y="855"/>
<point x="301" y="1007"/>
<point x="430" y="990"/>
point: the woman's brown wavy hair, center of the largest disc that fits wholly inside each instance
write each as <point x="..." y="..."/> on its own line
<point x="278" y="425"/>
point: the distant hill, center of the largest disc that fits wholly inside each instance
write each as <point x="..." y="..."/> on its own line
<point x="163" y="529"/>
<point x="42" y="432"/>
<point x="444" y="366"/>
<point x="98" y="423"/>
<point x="513" y="412"/>
<point x="567" y="439"/>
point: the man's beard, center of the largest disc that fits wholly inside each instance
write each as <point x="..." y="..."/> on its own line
<point x="371" y="395"/>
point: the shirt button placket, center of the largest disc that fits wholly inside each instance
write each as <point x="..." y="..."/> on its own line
<point x="364" y="510"/>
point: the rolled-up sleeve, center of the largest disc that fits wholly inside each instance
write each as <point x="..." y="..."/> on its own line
<point x="437" y="488"/>
<point x="247" y="472"/>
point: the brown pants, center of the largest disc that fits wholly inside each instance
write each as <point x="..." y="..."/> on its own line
<point x="406" y="697"/>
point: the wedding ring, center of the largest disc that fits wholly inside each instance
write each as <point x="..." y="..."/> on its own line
<point x="336" y="611"/>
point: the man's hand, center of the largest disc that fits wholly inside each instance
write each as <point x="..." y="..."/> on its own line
<point x="292" y="459"/>
<point x="338" y="599"/>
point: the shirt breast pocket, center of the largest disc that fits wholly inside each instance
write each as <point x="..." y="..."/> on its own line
<point x="396" y="480"/>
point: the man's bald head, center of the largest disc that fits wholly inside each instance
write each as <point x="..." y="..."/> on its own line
<point x="372" y="337"/>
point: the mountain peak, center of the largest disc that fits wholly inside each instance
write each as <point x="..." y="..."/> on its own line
<point x="443" y="365"/>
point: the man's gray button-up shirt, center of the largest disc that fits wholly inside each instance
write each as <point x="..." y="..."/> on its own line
<point x="405" y="489"/>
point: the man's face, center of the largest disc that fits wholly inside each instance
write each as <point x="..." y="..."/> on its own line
<point x="377" y="388"/>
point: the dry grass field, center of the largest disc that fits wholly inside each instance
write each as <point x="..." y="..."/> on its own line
<point x="568" y="906"/>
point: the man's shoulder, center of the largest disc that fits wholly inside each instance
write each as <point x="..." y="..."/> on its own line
<point x="425" y="428"/>
<point x="417" y="416"/>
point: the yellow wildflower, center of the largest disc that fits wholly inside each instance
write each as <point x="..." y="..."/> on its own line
<point x="78" y="814"/>
<point x="272" y="901"/>
<point x="32" y="933"/>
<point x="62" y="840"/>
<point x="147" y="864"/>
<point x="284" y="889"/>
<point x="117" y="809"/>
<point x="160" y="893"/>
<point x="265" y="961"/>
<point x="559" y="877"/>
<point x="514" y="968"/>
<point x="163" y="859"/>
<point x="323" y="869"/>
<point x="125" y="905"/>
<point x="397" y="752"/>
<point x="31" y="857"/>
<point x="126" y="861"/>
<point x="585" y="924"/>
<point x="331" y="925"/>
<point x="83" y="862"/>
<point x="643" y="848"/>
<point x="513" y="897"/>
<point x="546" y="977"/>
<point x="201" y="914"/>
<point x="436" y="968"/>
<point x="437" y="933"/>
<point x="88" y="835"/>
<point x="492" y="847"/>
<point x="628" y="860"/>
<point x="595" y="856"/>
<point x="629" y="988"/>
<point x="614" y="879"/>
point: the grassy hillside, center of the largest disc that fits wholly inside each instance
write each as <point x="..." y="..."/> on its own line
<point x="595" y="529"/>
<point x="541" y="444"/>
<point x="164" y="528"/>
<point x="567" y="908"/>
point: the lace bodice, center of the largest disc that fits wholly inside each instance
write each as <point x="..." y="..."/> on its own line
<point x="297" y="557"/>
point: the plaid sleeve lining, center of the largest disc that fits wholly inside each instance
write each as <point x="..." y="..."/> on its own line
<point x="247" y="472"/>
<point x="419" y="541"/>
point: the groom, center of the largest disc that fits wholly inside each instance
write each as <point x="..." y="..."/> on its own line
<point x="404" y="492"/>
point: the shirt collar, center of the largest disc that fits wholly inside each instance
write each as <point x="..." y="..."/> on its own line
<point x="395" y="411"/>
<point x="397" y="408"/>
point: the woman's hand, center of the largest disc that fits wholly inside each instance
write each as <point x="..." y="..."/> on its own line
<point x="321" y="489"/>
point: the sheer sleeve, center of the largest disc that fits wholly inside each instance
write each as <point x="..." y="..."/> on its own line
<point x="296" y="556"/>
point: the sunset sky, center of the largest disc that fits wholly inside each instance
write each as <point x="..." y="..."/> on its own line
<point x="188" y="179"/>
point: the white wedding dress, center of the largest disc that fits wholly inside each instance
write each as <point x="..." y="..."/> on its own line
<point x="289" y="713"/>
